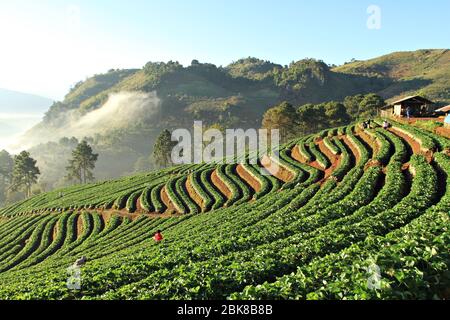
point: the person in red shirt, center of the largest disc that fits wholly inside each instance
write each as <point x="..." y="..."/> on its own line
<point x="158" y="237"/>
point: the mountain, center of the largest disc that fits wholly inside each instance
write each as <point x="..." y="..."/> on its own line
<point x="424" y="72"/>
<point x="18" y="102"/>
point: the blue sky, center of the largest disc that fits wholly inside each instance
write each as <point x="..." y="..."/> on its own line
<point x="48" y="45"/>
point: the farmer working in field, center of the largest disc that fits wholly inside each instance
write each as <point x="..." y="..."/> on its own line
<point x="158" y="237"/>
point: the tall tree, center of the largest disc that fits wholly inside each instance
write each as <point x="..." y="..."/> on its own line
<point x="162" y="150"/>
<point x="370" y="105"/>
<point x="282" y="117"/>
<point x="336" y="114"/>
<point x="25" y="173"/>
<point x="82" y="163"/>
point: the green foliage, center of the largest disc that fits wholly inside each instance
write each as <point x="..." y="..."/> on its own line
<point x="25" y="173"/>
<point x="162" y="150"/>
<point x="82" y="163"/>
<point x="422" y="72"/>
<point x="312" y="240"/>
<point x="282" y="117"/>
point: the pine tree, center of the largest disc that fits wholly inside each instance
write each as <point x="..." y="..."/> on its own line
<point x="25" y="173"/>
<point x="282" y="117"/>
<point x="82" y="163"/>
<point x="162" y="150"/>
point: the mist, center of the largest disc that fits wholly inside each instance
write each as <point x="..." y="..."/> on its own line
<point x="120" y="111"/>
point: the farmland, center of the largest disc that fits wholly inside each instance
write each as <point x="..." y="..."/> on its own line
<point x="344" y="199"/>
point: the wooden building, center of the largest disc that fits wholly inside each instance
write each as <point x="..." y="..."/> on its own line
<point x="418" y="106"/>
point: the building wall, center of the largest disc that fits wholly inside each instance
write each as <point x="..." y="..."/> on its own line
<point x="387" y="112"/>
<point x="398" y="110"/>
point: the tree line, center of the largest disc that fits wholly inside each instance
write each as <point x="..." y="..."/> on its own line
<point x="310" y="118"/>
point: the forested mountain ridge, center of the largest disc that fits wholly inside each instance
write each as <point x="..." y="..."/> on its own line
<point x="206" y="88"/>
<point x="123" y="111"/>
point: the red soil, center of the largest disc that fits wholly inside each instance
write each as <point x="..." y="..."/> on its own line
<point x="296" y="155"/>
<point x="445" y="132"/>
<point x="414" y="144"/>
<point x="370" y="141"/>
<point x="167" y="202"/>
<point x="248" y="178"/>
<point x="352" y="147"/>
<point x="276" y="170"/>
<point x="55" y="231"/>
<point x="139" y="208"/>
<point x="193" y="195"/>
<point x="219" y="184"/>
<point x="107" y="214"/>
<point x="80" y="225"/>
<point x="334" y="159"/>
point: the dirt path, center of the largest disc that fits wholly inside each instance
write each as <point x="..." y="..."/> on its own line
<point x="296" y="155"/>
<point x="248" y="178"/>
<point x="445" y="132"/>
<point x="193" y="194"/>
<point x="167" y="202"/>
<point x="370" y="141"/>
<point x="277" y="171"/>
<point x="333" y="167"/>
<point x="80" y="226"/>
<point x="219" y="184"/>
<point x="55" y="230"/>
<point x="352" y="147"/>
<point x="414" y="144"/>
<point x="139" y="208"/>
<point x="327" y="152"/>
<point x="107" y="214"/>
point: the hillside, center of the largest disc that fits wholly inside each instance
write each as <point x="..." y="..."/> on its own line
<point x="425" y="72"/>
<point x="136" y="105"/>
<point x="344" y="203"/>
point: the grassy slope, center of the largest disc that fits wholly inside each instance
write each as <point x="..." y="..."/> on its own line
<point x="425" y="72"/>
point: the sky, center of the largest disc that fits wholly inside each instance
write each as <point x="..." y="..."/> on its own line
<point x="46" y="46"/>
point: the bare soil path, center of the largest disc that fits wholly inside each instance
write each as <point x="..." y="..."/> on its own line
<point x="352" y="147"/>
<point x="279" y="172"/>
<point x="248" y="178"/>
<point x="193" y="194"/>
<point x="219" y="184"/>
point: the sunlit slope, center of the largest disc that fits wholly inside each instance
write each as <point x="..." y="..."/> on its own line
<point x="344" y="200"/>
<point x="424" y="72"/>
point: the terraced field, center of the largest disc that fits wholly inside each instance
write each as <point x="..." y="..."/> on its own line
<point x="344" y="201"/>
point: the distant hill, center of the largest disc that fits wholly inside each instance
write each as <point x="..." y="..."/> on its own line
<point x="18" y="102"/>
<point x="425" y="72"/>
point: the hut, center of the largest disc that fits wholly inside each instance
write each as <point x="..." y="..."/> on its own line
<point x="419" y="107"/>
